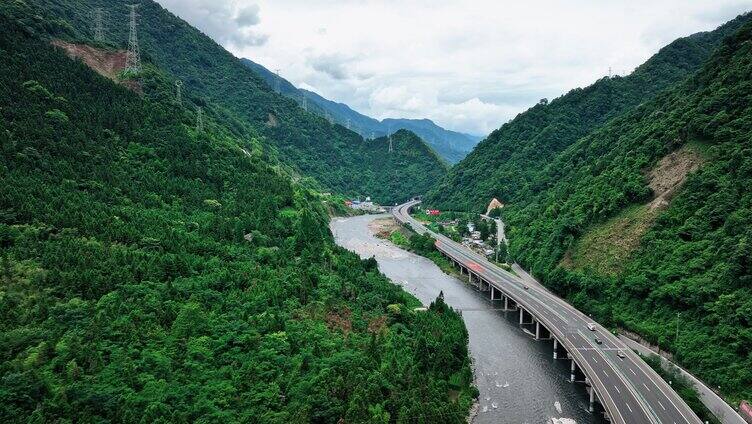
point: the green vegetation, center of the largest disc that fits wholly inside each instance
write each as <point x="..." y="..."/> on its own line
<point x="507" y="165"/>
<point x="328" y="157"/>
<point x="152" y="273"/>
<point x="690" y="267"/>
<point x="450" y="145"/>
<point x="605" y="248"/>
<point x="683" y="387"/>
<point x="693" y="259"/>
<point x="425" y="245"/>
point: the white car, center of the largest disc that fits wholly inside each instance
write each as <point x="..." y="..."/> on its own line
<point x="591" y="326"/>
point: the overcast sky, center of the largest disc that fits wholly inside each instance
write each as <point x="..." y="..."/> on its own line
<point x="468" y="65"/>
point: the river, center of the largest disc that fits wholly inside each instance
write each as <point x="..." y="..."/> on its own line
<point x="518" y="379"/>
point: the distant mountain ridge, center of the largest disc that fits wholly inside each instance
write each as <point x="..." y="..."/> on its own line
<point x="451" y="145"/>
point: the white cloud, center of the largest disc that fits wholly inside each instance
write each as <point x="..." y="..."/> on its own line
<point x="469" y="66"/>
<point x="230" y="23"/>
<point x="248" y="15"/>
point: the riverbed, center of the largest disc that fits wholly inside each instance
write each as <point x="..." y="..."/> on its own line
<point x="518" y="379"/>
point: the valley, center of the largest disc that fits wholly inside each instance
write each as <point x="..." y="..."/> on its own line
<point x="182" y="237"/>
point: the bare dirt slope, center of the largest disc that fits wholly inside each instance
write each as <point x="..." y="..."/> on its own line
<point x="108" y="63"/>
<point x="605" y="248"/>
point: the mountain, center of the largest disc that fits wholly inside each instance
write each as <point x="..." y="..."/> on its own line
<point x="645" y="222"/>
<point x="451" y="145"/>
<point x="417" y="163"/>
<point x="155" y="271"/>
<point x="322" y="154"/>
<point x="507" y="163"/>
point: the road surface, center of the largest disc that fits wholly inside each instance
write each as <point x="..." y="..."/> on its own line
<point x="629" y="390"/>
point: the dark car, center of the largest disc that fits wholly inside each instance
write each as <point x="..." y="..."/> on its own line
<point x="598" y="340"/>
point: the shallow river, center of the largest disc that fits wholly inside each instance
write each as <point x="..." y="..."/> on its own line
<point x="518" y="379"/>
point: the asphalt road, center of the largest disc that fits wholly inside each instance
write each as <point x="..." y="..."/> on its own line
<point x="629" y="390"/>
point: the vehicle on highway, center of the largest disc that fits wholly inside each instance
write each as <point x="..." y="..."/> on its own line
<point x="598" y="340"/>
<point x="620" y="354"/>
<point x="526" y="287"/>
<point x="591" y="326"/>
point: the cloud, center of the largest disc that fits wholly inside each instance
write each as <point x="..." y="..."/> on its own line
<point x="226" y="22"/>
<point x="248" y="16"/>
<point x="468" y="66"/>
<point x="332" y="65"/>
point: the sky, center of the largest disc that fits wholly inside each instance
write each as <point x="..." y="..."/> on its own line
<point x="469" y="66"/>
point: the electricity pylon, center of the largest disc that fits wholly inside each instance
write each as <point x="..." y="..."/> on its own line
<point x="133" y="57"/>
<point x="178" y="94"/>
<point x="199" y="120"/>
<point x="97" y="24"/>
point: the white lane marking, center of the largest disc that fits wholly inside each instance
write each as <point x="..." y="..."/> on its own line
<point x="629" y="407"/>
<point x="646" y="386"/>
<point x="605" y="373"/>
<point x="632" y="371"/>
<point x="617" y="389"/>
<point x="659" y="403"/>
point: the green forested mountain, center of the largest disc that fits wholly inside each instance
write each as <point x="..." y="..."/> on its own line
<point x="507" y="163"/>
<point x="405" y="170"/>
<point x="667" y="189"/>
<point x="450" y="145"/>
<point x="151" y="272"/>
<point x="212" y="77"/>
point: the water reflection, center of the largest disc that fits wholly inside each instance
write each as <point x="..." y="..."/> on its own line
<point x="518" y="379"/>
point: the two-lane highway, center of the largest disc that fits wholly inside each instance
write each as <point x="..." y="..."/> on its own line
<point x="629" y="390"/>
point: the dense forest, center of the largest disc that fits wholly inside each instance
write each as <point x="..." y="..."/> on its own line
<point x="506" y="165"/>
<point x="407" y="173"/>
<point x="666" y="189"/>
<point x="452" y="146"/>
<point x="154" y="272"/>
<point x="326" y="156"/>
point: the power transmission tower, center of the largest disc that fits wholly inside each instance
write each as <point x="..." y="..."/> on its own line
<point x="97" y="24"/>
<point x="373" y="135"/>
<point x="277" y="83"/>
<point x="304" y="102"/>
<point x="391" y="147"/>
<point x="609" y="72"/>
<point x="133" y="57"/>
<point x="348" y="123"/>
<point x="178" y="92"/>
<point x="199" y="120"/>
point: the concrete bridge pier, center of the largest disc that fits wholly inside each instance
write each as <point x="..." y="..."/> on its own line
<point x="576" y="374"/>
<point x="556" y="348"/>
<point x="591" y="408"/>
<point x="559" y="350"/>
<point x="523" y="313"/>
<point x="495" y="294"/>
<point x="483" y="285"/>
<point x="572" y="371"/>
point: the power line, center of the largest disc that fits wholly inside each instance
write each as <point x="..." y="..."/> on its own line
<point x="133" y="57"/>
<point x="97" y="24"/>
<point x="199" y="120"/>
<point x="178" y="94"/>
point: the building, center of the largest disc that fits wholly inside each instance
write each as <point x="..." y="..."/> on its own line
<point x="495" y="204"/>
